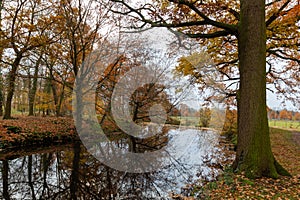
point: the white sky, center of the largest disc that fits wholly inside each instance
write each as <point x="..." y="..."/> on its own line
<point x="159" y="38"/>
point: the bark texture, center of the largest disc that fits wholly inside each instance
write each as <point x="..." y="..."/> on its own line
<point x="11" y="86"/>
<point x="1" y="96"/>
<point x="33" y="88"/>
<point x="254" y="154"/>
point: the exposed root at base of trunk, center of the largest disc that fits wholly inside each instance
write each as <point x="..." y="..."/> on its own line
<point x="280" y="170"/>
<point x="253" y="172"/>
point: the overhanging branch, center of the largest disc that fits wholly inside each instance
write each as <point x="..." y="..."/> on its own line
<point x="276" y="14"/>
<point x="227" y="28"/>
<point x="284" y="56"/>
<point x="208" y="35"/>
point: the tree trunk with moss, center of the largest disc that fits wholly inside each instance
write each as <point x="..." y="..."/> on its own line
<point x="254" y="154"/>
<point x="11" y="86"/>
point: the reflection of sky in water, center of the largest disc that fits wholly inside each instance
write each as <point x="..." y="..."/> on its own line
<point x="51" y="173"/>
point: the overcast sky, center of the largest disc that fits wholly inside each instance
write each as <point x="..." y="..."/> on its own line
<point x="159" y="38"/>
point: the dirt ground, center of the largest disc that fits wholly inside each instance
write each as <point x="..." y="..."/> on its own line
<point x="296" y="138"/>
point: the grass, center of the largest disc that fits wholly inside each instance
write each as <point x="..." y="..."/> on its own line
<point x="283" y="124"/>
<point x="286" y="124"/>
<point x="188" y="121"/>
<point x="216" y="121"/>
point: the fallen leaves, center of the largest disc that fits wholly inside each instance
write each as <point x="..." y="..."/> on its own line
<point x="264" y="188"/>
<point x="28" y="131"/>
<point x="286" y="150"/>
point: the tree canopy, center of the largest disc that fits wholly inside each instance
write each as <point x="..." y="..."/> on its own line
<point x="214" y="24"/>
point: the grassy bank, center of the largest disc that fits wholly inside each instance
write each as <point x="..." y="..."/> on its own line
<point x="285" y="124"/>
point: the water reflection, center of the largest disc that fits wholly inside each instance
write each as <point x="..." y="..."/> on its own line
<point x="70" y="172"/>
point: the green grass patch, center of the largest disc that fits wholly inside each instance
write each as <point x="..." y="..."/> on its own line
<point x="286" y="124"/>
<point x="187" y="121"/>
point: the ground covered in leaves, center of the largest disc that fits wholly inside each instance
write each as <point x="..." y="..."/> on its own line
<point x="37" y="131"/>
<point x="237" y="186"/>
<point x="286" y="149"/>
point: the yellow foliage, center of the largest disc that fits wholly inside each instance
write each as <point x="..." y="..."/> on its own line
<point x="192" y="64"/>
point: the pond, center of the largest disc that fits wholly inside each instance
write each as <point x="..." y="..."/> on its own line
<point x="71" y="172"/>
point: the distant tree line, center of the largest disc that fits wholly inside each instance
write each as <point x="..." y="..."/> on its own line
<point x="284" y="114"/>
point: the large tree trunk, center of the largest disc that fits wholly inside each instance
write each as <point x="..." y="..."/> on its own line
<point x="254" y="154"/>
<point x="54" y="90"/>
<point x="11" y="86"/>
<point x="1" y="53"/>
<point x="60" y="102"/>
<point x="1" y="95"/>
<point x="33" y="88"/>
<point x="55" y="97"/>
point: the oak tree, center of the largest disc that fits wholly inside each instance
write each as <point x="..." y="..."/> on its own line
<point x="240" y="34"/>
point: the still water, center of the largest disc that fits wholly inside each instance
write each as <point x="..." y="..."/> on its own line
<point x="71" y="172"/>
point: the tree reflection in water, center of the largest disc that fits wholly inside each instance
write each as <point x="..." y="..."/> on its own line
<point x="70" y="172"/>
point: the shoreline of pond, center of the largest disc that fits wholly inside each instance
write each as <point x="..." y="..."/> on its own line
<point x="38" y="132"/>
<point x="31" y="131"/>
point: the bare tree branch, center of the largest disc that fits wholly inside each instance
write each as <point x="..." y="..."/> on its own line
<point x="227" y="28"/>
<point x="276" y="14"/>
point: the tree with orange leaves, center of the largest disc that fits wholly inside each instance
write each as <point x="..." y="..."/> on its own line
<point x="24" y="30"/>
<point x="285" y="114"/>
